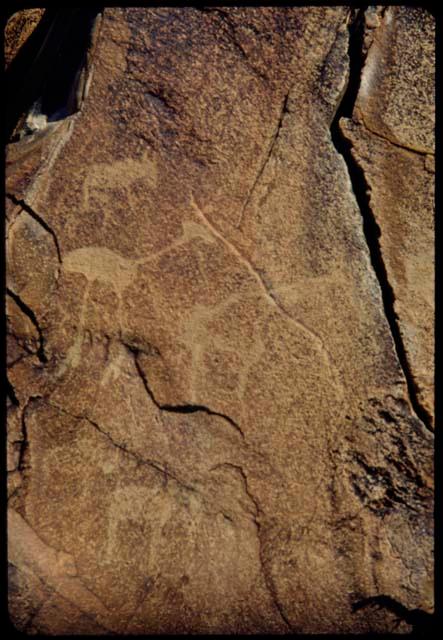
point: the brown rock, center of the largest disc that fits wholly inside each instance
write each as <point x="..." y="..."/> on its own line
<point x="218" y="432"/>
<point x="397" y="92"/>
<point x="392" y="133"/>
<point x="19" y="27"/>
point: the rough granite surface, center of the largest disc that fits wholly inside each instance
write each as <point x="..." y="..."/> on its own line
<point x="17" y="31"/>
<point x="221" y="384"/>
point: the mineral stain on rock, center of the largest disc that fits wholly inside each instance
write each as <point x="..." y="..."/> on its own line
<point x="219" y="237"/>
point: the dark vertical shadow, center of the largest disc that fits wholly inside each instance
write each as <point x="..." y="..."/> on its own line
<point x="371" y="228"/>
<point x="45" y="73"/>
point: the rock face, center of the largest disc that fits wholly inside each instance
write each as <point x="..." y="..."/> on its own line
<point x="392" y="132"/>
<point x="18" y="29"/>
<point x="220" y="313"/>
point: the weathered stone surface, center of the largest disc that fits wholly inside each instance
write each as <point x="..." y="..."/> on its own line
<point x="392" y="132"/>
<point x="215" y="426"/>
<point x="18" y="29"/>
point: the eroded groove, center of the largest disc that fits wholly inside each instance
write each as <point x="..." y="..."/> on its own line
<point x="31" y="315"/>
<point x="268" y="156"/>
<point x="23" y="462"/>
<point x="419" y="152"/>
<point x="185" y="408"/>
<point x="371" y="229"/>
<point x="37" y="218"/>
<point x="256" y="519"/>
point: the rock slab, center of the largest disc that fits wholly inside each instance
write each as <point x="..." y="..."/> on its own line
<point x="220" y="415"/>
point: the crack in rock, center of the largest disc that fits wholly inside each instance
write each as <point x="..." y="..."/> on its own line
<point x="421" y="621"/>
<point x="184" y="408"/>
<point x="38" y="218"/>
<point x="10" y="391"/>
<point x="24" y="443"/>
<point x="256" y="515"/>
<point x="268" y="155"/>
<point x="157" y="466"/>
<point x="32" y="317"/>
<point x="371" y="229"/>
<point x="23" y="465"/>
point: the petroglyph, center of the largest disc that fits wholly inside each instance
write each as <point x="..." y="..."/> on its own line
<point x="220" y="326"/>
<point x="102" y="176"/>
<point x="270" y="295"/>
<point x="100" y="263"/>
<point x="106" y="266"/>
<point x="73" y="356"/>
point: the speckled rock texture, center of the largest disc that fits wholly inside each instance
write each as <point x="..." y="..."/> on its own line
<point x="392" y="132"/>
<point x="220" y="329"/>
<point x="17" y="31"/>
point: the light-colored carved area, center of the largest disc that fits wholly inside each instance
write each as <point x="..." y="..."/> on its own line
<point x="220" y="383"/>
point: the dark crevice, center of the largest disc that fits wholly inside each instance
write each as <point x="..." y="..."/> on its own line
<point x="38" y="219"/>
<point x="23" y="462"/>
<point x="371" y="229"/>
<point x="32" y="317"/>
<point x="11" y="393"/>
<point x="185" y="408"/>
<point x="356" y="55"/>
<point x="47" y="77"/>
<point x="24" y="444"/>
<point x="422" y="622"/>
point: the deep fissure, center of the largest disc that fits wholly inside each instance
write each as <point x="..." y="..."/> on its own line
<point x="361" y="190"/>
<point x="185" y="408"/>
<point x="32" y="317"/>
<point x="48" y="77"/>
<point x="10" y="391"/>
<point x="421" y="621"/>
